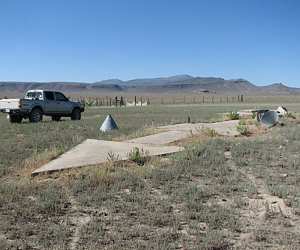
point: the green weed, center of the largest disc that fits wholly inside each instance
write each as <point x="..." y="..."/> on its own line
<point x="243" y="129"/>
<point x="233" y="116"/>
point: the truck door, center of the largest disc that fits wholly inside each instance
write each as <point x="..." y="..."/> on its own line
<point x="50" y="103"/>
<point x="62" y="103"/>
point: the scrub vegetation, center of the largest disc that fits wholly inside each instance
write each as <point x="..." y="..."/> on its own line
<point x="219" y="193"/>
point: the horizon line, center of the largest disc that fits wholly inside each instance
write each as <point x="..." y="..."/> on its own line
<point x="148" y="78"/>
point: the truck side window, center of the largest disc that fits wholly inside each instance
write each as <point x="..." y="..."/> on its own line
<point x="49" y="96"/>
<point x="60" y="97"/>
<point x="34" y="95"/>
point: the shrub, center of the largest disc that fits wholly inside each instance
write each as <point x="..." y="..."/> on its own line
<point x="210" y="132"/>
<point x="242" y="122"/>
<point x="138" y="156"/>
<point x="290" y="115"/>
<point x="89" y="102"/>
<point x="51" y="200"/>
<point x="243" y="129"/>
<point x="111" y="157"/>
<point x="233" y="116"/>
<point x="214" y="240"/>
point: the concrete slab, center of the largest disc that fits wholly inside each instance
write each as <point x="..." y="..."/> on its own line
<point x="161" y="138"/>
<point x="92" y="152"/>
<point x="225" y="128"/>
<point x="181" y="131"/>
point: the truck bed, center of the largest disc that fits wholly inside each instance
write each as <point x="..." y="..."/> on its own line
<point x="9" y="104"/>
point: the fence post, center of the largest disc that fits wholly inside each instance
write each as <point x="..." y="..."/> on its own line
<point x="134" y="100"/>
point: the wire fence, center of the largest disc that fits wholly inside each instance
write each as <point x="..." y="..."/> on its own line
<point x="159" y="99"/>
<point x="145" y="101"/>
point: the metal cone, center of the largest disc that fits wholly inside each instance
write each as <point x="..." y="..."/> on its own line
<point x="108" y="124"/>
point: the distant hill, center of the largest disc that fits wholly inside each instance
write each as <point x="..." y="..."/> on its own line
<point x="163" y="85"/>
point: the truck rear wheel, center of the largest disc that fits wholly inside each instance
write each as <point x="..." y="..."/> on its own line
<point x="15" y="118"/>
<point x="76" y="114"/>
<point x="36" y="115"/>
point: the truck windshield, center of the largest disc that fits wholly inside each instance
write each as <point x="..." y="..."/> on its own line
<point x="34" y="95"/>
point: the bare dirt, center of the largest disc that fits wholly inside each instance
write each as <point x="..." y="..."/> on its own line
<point x="262" y="207"/>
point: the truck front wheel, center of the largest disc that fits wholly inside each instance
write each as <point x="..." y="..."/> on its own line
<point x="36" y="115"/>
<point x="76" y="114"/>
<point x="15" y="118"/>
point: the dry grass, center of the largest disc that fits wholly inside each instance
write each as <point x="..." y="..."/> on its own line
<point x="196" y="199"/>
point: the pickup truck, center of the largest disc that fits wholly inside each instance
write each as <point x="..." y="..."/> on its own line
<point x="37" y="103"/>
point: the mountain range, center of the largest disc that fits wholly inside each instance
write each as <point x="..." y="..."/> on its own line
<point x="164" y="85"/>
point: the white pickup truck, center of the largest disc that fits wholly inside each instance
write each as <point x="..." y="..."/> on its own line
<point x="37" y="103"/>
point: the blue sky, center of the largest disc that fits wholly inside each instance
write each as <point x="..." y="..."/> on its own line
<point x="90" y="40"/>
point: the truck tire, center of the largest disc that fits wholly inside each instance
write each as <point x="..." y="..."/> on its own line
<point x="56" y="118"/>
<point x="15" y="118"/>
<point x="76" y="114"/>
<point x="36" y="115"/>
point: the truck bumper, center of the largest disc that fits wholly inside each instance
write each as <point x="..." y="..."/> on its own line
<point x="13" y="112"/>
<point x="10" y="111"/>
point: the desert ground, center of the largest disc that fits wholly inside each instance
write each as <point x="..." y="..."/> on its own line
<point x="218" y="193"/>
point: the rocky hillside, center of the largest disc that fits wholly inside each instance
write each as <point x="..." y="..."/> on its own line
<point x="174" y="85"/>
